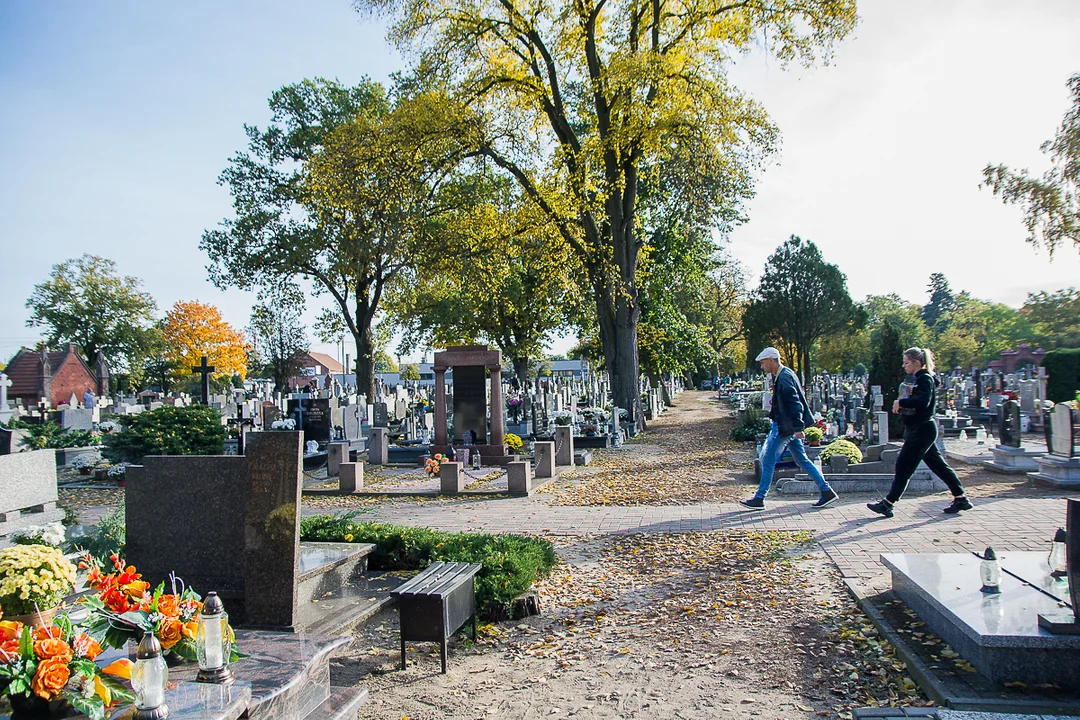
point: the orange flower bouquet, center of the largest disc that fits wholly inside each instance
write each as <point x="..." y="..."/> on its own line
<point x="55" y="664"/>
<point x="433" y="463"/>
<point x="124" y="608"/>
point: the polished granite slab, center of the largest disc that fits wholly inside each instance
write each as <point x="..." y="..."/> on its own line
<point x="319" y="556"/>
<point x="999" y="634"/>
<point x="186" y="701"/>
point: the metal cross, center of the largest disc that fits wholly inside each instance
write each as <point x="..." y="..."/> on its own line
<point x="205" y="371"/>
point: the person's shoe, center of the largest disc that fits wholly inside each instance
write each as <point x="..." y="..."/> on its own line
<point x="881" y="508"/>
<point x="828" y="497"/>
<point x="754" y="503"/>
<point x="958" y="504"/>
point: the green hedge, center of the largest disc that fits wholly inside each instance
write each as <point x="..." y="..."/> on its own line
<point x="192" y="430"/>
<point x="510" y="563"/>
<point x="1063" y="368"/>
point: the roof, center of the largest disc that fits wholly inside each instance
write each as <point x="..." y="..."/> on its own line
<point x="24" y="370"/>
<point x="325" y="360"/>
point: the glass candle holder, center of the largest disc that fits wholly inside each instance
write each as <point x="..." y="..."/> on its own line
<point x="213" y="644"/>
<point x="149" y="677"/>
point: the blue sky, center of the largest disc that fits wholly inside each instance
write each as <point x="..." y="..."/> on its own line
<point x="118" y="117"/>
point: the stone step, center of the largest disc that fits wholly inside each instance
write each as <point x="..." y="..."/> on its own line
<point x="343" y="704"/>
<point x="582" y="457"/>
<point x="859" y="483"/>
<point x="325" y="567"/>
<point x="349" y="606"/>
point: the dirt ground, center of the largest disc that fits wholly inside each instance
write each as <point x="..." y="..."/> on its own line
<point x="732" y="625"/>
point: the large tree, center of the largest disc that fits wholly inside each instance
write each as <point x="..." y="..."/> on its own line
<point x="1054" y="317"/>
<point x="801" y="299"/>
<point x="341" y="190"/>
<point x="1051" y="204"/>
<point x="86" y="302"/>
<point x="584" y="101"/>
<point x="504" y="276"/>
<point x="941" y="300"/>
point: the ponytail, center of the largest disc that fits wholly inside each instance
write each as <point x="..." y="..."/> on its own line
<point x="923" y="355"/>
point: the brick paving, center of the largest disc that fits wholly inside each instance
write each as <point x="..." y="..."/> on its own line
<point x="848" y="533"/>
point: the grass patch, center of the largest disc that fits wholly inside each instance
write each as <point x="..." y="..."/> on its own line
<point x="510" y="564"/>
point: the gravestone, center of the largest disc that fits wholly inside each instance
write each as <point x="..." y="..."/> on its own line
<point x="1060" y="467"/>
<point x="380" y="416"/>
<point x="269" y="413"/>
<point x="77" y="419"/>
<point x="1009" y="423"/>
<point x="5" y="441"/>
<point x="227" y="524"/>
<point x="28" y="490"/>
<point x="352" y="419"/>
<point x="470" y="402"/>
<point x="312" y="417"/>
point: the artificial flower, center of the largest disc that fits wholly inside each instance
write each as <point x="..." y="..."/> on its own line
<point x="51" y="677"/>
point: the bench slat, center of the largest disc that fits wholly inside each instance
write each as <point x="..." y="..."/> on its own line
<point x="439" y="578"/>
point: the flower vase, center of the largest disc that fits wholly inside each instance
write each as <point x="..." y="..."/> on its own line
<point x="36" y="620"/>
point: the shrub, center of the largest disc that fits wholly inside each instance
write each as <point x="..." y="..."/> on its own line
<point x="109" y="537"/>
<point x="752" y="423"/>
<point x="1063" y="368"/>
<point x="193" y="430"/>
<point x="814" y="434"/>
<point x="510" y="564"/>
<point x="842" y="447"/>
<point x="49" y="435"/>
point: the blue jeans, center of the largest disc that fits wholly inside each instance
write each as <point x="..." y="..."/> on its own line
<point x="775" y="445"/>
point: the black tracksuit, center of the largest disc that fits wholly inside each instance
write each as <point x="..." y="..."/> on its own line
<point x="920" y="436"/>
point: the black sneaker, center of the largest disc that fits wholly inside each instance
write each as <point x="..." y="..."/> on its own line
<point x="828" y="497"/>
<point x="754" y="503"/>
<point x="958" y="504"/>
<point x="881" y="508"/>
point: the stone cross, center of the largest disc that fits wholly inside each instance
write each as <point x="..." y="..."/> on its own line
<point x="205" y="371"/>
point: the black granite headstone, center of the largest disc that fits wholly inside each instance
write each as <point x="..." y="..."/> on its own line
<point x="5" y="441"/>
<point x="381" y="417"/>
<point x="1009" y="423"/>
<point x="470" y="402"/>
<point x="312" y="415"/>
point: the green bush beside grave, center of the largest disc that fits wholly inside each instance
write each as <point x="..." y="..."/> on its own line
<point x="108" y="537"/>
<point x="193" y="430"/>
<point x="1063" y="370"/>
<point x="510" y="564"/>
<point x="842" y="447"/>
<point x="752" y="423"/>
<point x="49" y="435"/>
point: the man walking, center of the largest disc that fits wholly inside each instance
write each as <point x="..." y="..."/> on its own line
<point x="790" y="414"/>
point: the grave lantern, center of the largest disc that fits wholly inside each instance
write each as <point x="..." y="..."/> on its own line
<point x="1057" y="559"/>
<point x="990" y="572"/>
<point x="213" y="645"/>
<point x="475" y="460"/>
<point x="148" y="679"/>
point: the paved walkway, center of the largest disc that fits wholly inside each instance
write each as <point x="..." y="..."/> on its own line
<point x="851" y="536"/>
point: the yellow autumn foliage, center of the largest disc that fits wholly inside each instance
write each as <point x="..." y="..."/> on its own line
<point x="193" y="329"/>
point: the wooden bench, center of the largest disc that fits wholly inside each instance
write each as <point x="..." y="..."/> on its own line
<point x="436" y="603"/>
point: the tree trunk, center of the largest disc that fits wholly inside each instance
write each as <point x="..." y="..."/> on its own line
<point x="521" y="369"/>
<point x="365" y="362"/>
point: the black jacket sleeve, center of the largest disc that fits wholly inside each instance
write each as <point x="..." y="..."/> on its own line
<point x="792" y="410"/>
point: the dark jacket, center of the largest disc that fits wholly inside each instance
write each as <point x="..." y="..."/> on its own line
<point x="922" y="400"/>
<point x="790" y="411"/>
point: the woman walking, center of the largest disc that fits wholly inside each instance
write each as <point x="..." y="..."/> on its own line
<point x="920" y="436"/>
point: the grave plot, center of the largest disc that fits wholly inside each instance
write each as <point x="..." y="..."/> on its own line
<point x="393" y="481"/>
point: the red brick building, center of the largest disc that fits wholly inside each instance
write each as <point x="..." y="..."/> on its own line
<point x="52" y="375"/>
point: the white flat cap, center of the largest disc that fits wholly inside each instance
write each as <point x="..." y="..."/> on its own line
<point x="769" y="352"/>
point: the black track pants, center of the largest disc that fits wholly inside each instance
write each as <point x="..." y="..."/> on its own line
<point x="919" y="444"/>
